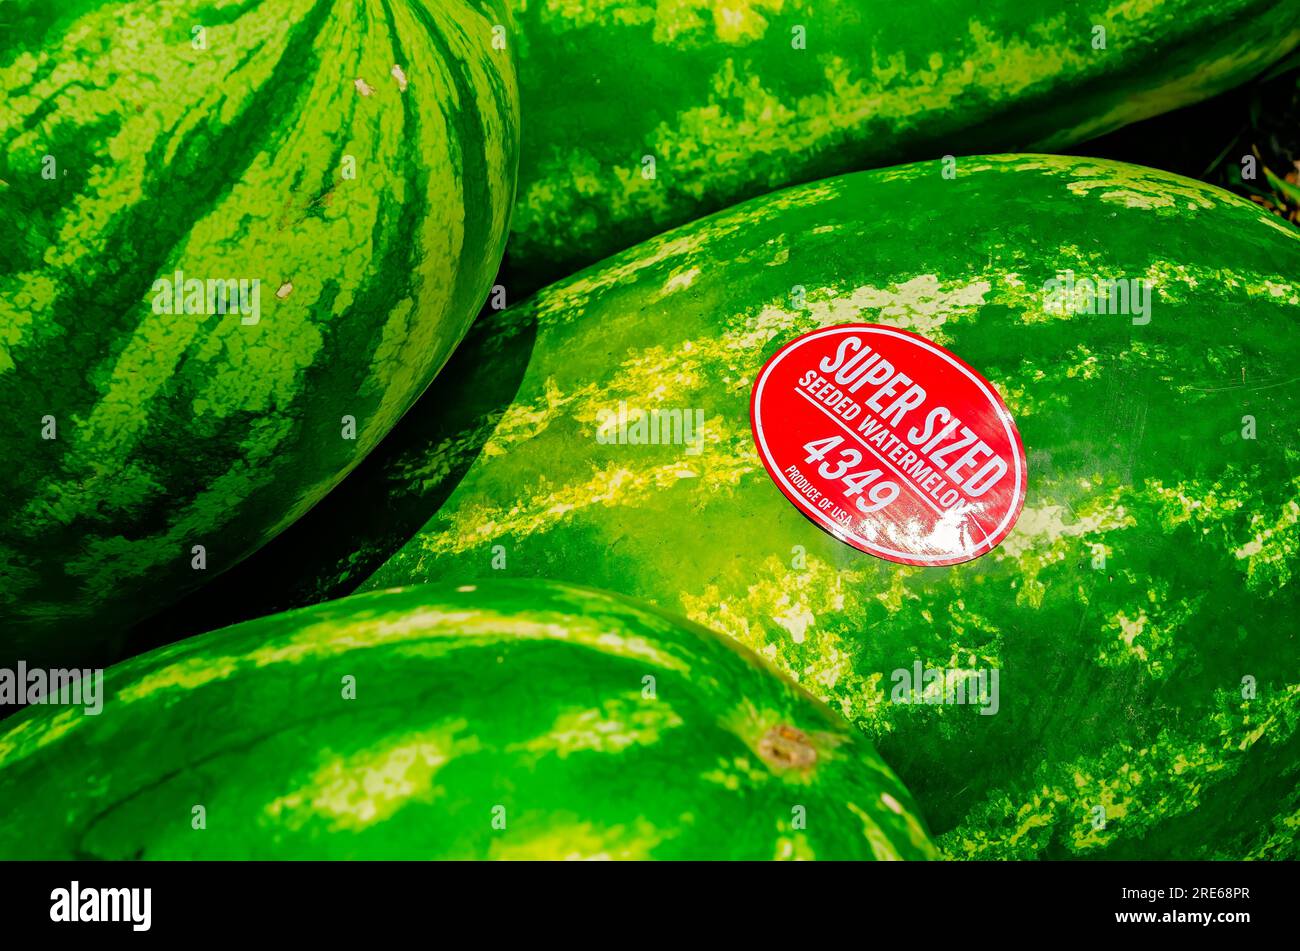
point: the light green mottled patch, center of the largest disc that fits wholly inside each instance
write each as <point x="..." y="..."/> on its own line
<point x="618" y="723"/>
<point x="1138" y="787"/>
<point x="1271" y="554"/>
<point x="738" y="772"/>
<point x="776" y="592"/>
<point x="881" y="847"/>
<point x="680" y="279"/>
<point x="675" y="22"/>
<point x="1278" y="844"/>
<point x="1271" y="549"/>
<point x="923" y="303"/>
<point x="792" y="846"/>
<point x="416" y="471"/>
<point x="916" y="832"/>
<point x="28" y="296"/>
<point x="522" y="421"/>
<point x="1150" y="635"/>
<point x="351" y="792"/>
<point x="723" y="775"/>
<point x="183" y="676"/>
<point x="826" y="659"/>
<point x="1135" y="187"/>
<point x="467" y="628"/>
<point x="434" y="631"/>
<point x="728" y="455"/>
<point x="572" y="838"/>
<point x="28" y="736"/>
<point x="1044" y="536"/>
<point x="1283" y="291"/>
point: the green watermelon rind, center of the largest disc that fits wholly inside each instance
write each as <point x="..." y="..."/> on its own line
<point x="358" y="162"/>
<point x="1140" y="611"/>
<point x="508" y="720"/>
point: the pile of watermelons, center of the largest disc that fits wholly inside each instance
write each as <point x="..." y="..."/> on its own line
<point x="520" y="273"/>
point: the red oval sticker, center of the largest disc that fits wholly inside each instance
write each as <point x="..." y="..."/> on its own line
<point x="890" y="443"/>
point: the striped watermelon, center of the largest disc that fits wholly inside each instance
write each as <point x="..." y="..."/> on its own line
<point x="353" y="164"/>
<point x="731" y="100"/>
<point x="519" y="720"/>
<point x="1140" y="616"/>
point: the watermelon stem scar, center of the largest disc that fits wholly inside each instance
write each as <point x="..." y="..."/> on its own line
<point x="786" y="746"/>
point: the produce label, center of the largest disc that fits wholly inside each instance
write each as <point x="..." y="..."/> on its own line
<point x="890" y="443"/>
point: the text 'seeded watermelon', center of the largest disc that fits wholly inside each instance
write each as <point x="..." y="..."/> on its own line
<point x="641" y="115"/>
<point x="237" y="241"/>
<point x="1128" y="653"/>
<point x="516" y="720"/>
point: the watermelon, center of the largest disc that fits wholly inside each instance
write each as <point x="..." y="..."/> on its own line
<point x="687" y="108"/>
<point x="1140" y="614"/>
<point x="510" y="720"/>
<point x="238" y="241"/>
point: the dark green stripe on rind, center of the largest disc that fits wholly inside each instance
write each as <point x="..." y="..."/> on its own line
<point x="1140" y="614"/>
<point x="729" y="106"/>
<point x="225" y="162"/>
<point x="519" y="720"/>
